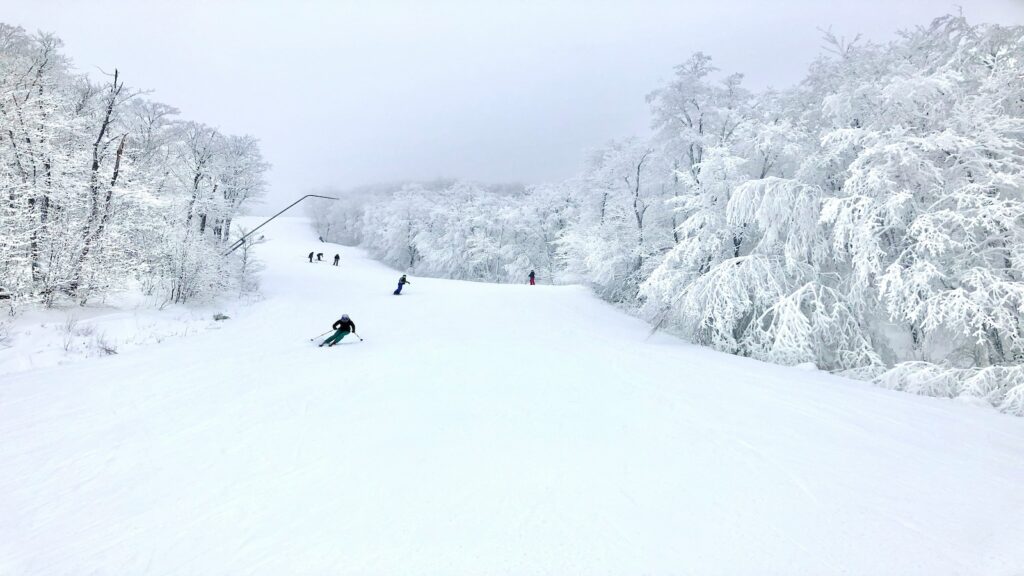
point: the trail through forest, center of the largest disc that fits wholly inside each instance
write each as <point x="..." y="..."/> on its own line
<point x="485" y="429"/>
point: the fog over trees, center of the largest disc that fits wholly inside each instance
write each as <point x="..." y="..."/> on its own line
<point x="869" y="220"/>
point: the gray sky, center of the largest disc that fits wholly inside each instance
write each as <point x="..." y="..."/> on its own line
<point x="347" y="93"/>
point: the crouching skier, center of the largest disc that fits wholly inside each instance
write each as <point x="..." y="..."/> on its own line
<point x="342" y="327"/>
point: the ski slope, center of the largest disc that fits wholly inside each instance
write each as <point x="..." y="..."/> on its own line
<point x="485" y="429"/>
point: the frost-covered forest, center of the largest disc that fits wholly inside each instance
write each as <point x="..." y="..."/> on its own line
<point x="105" y="190"/>
<point x="869" y="220"/>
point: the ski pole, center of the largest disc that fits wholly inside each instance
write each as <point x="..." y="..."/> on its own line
<point x="358" y="336"/>
<point x="319" y="335"/>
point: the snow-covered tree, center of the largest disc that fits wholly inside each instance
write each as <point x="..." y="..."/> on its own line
<point x="102" y="188"/>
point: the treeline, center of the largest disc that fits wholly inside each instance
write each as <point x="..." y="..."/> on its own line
<point x="103" y="189"/>
<point x="447" y="228"/>
<point x="869" y="220"/>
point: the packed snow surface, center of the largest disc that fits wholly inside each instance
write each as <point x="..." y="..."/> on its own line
<point x="485" y="429"/>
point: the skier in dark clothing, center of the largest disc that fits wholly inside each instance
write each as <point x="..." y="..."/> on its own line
<point x="336" y="258"/>
<point x="342" y="327"/>
<point x="401" y="282"/>
<point x="532" y="276"/>
<point x="319" y="256"/>
<point x="311" y="257"/>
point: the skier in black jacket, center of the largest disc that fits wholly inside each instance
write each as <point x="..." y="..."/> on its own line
<point x="342" y="327"/>
<point x="401" y="282"/>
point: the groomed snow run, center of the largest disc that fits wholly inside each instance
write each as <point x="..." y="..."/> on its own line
<point x="485" y="429"/>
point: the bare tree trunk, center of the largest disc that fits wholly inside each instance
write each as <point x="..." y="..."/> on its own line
<point x="195" y="195"/>
<point x="639" y="209"/>
<point x="94" y="225"/>
<point x="104" y="218"/>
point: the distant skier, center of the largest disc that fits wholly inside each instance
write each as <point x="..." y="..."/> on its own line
<point x="321" y="238"/>
<point x="342" y="327"/>
<point x="319" y="256"/>
<point x="310" y="257"/>
<point x="337" y="257"/>
<point x="532" y="277"/>
<point x="401" y="282"/>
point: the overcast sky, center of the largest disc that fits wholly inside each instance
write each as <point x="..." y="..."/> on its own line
<point x="347" y="93"/>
